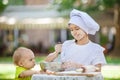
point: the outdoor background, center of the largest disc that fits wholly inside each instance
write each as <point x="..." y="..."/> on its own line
<point x="40" y="24"/>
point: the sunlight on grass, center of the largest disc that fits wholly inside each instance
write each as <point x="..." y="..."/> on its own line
<point x="7" y="71"/>
<point x="111" y="71"/>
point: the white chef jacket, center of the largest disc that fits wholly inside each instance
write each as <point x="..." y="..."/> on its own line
<point x="88" y="54"/>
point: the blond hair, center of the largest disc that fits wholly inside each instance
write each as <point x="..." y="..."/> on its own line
<point x="19" y="53"/>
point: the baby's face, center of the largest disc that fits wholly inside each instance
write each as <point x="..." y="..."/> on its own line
<point x="28" y="60"/>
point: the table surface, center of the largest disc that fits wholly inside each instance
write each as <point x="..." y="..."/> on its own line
<point x="65" y="77"/>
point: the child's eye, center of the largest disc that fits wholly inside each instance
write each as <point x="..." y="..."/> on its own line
<point x="30" y="59"/>
<point x="77" y="28"/>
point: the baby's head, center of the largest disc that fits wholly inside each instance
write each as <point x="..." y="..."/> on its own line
<point x="24" y="57"/>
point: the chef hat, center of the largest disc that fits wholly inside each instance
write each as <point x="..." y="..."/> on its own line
<point x="84" y="21"/>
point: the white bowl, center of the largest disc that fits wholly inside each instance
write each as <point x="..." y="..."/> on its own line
<point x="53" y="66"/>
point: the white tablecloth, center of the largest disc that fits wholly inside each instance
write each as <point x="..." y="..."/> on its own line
<point x="54" y="77"/>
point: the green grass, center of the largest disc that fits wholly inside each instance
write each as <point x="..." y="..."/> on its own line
<point x="38" y="59"/>
<point x="9" y="59"/>
<point x="113" y="60"/>
<point x="5" y="60"/>
<point x="7" y="72"/>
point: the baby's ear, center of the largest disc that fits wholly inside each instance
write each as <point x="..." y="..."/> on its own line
<point x="20" y="63"/>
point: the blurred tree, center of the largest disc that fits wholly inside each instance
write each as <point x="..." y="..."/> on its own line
<point x="16" y="2"/>
<point x="3" y="4"/>
<point x="95" y="5"/>
<point x="115" y="7"/>
<point x="85" y="5"/>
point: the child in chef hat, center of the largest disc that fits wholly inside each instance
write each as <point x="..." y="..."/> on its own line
<point x="81" y="51"/>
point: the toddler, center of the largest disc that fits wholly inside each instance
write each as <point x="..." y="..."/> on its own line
<point x="24" y="60"/>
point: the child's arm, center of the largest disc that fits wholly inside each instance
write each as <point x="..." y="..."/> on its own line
<point x="28" y="73"/>
<point x="54" y="55"/>
<point x="51" y="57"/>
